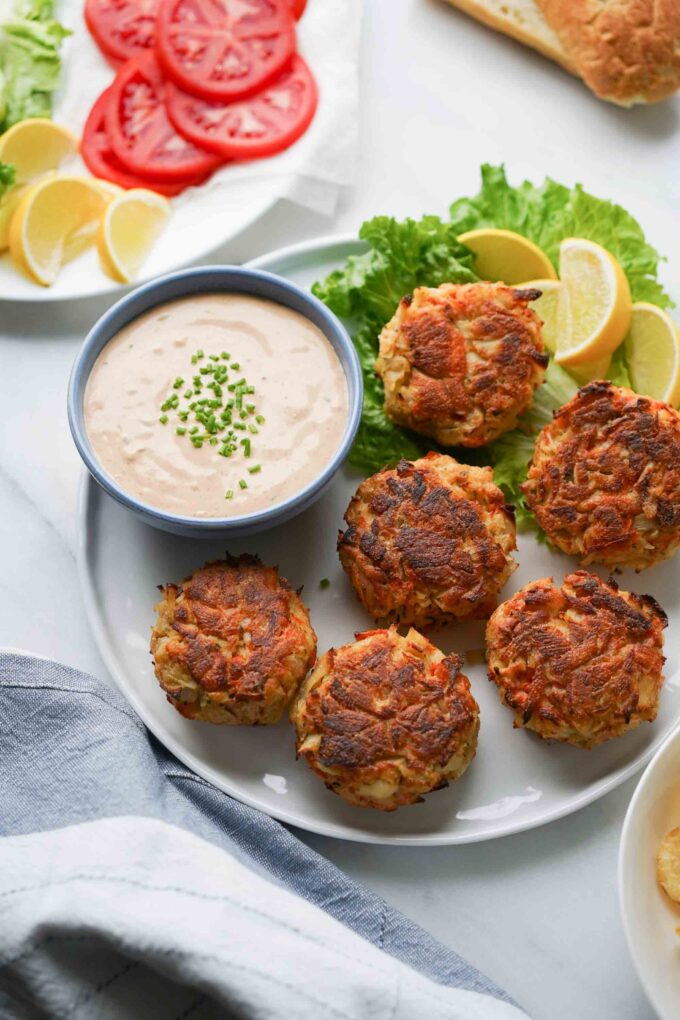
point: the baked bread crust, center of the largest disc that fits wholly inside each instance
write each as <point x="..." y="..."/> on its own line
<point x="626" y="51"/>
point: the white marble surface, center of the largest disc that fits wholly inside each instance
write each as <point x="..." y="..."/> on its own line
<point x="537" y="911"/>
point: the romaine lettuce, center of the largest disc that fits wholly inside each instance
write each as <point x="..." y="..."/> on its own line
<point x="30" y="40"/>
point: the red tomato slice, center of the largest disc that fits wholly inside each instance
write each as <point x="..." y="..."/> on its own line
<point x="122" y="28"/>
<point x="258" y="126"/>
<point x="224" y="49"/>
<point x="139" y="131"/>
<point x="101" y="160"/>
<point x="298" y="8"/>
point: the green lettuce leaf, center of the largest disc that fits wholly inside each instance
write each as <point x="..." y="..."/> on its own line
<point x="551" y="212"/>
<point x="510" y="454"/>
<point x="7" y="177"/>
<point x="30" y="65"/>
<point x="403" y="255"/>
<point x="366" y="291"/>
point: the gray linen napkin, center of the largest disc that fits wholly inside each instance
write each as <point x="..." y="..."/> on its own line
<point x="72" y="754"/>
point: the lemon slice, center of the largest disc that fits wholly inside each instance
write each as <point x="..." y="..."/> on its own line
<point x="54" y="221"/>
<point x="35" y="146"/>
<point x="129" y="229"/>
<point x="506" y="256"/>
<point x="653" y="353"/>
<point x="8" y="206"/>
<point x="109" y="189"/>
<point x="595" y="317"/>
<point x="547" y="307"/>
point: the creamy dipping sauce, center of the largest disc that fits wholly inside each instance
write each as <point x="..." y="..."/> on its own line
<point x="298" y="405"/>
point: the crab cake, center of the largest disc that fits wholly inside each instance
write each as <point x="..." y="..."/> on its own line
<point x="428" y="542"/>
<point x="386" y="719"/>
<point x="461" y="362"/>
<point x="232" y="644"/>
<point x="604" y="481"/>
<point x="581" y="662"/>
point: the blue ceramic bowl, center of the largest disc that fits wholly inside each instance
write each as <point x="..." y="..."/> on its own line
<point x="212" y="279"/>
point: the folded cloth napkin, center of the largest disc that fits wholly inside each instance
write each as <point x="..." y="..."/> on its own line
<point x="310" y="173"/>
<point x="131" y="888"/>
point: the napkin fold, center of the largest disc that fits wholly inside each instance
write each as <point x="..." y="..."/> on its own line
<point x="130" y="887"/>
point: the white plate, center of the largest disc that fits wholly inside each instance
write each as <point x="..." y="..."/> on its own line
<point x="237" y="195"/>
<point x="649" y="917"/>
<point x="516" y="781"/>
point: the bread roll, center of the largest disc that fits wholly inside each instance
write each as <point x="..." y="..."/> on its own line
<point x="627" y="51"/>
<point x="523" y="21"/>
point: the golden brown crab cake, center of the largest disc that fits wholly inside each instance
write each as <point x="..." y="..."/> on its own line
<point x="460" y="362"/>
<point x="386" y="719"/>
<point x="604" y="481"/>
<point x="232" y="643"/>
<point x="428" y="542"/>
<point x="579" y="662"/>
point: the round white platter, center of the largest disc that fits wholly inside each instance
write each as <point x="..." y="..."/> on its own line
<point x="238" y="194"/>
<point x="516" y="781"/>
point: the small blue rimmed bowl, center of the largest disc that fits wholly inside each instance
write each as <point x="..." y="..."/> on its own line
<point x="207" y="280"/>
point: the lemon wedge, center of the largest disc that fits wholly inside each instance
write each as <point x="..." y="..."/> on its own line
<point x="595" y="316"/>
<point x="8" y="206"/>
<point x="55" y="220"/>
<point x="653" y="353"/>
<point x="504" y="255"/>
<point x="34" y="147"/>
<point x="547" y="308"/>
<point x="129" y="228"/>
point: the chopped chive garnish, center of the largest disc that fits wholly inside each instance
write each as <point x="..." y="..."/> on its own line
<point x="229" y="494"/>
<point x="210" y="419"/>
<point x="324" y="583"/>
<point x="242" y="484"/>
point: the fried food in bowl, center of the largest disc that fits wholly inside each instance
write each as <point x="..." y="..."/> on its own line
<point x="428" y="542"/>
<point x="232" y="643"/>
<point x="581" y="662"/>
<point x="386" y="719"/>
<point x="460" y="362"/>
<point x="604" y="481"/>
<point x="668" y="865"/>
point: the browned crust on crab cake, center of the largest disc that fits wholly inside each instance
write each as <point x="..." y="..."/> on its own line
<point x="460" y="362"/>
<point x="627" y="51"/>
<point x="386" y="719"/>
<point x="232" y="643"/>
<point x="428" y="542"/>
<point x="580" y="662"/>
<point x="604" y="481"/>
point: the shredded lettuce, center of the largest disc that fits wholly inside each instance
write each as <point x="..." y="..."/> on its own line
<point x="30" y="65"/>
<point x="407" y="254"/>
